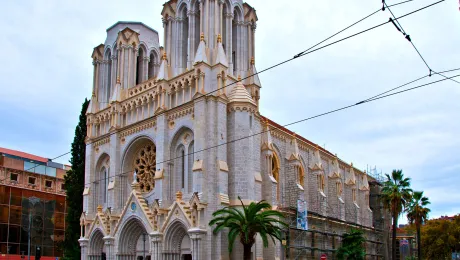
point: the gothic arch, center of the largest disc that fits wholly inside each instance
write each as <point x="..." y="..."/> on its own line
<point x="275" y="166"/>
<point x="130" y="234"/>
<point x="182" y="149"/>
<point x="238" y="12"/>
<point x="154" y="62"/>
<point x="96" y="242"/>
<point x="141" y="63"/>
<point x="183" y="34"/>
<point x="174" y="239"/>
<point x="101" y="181"/>
<point x="142" y="147"/>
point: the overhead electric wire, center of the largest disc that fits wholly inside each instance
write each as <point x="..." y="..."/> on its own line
<point x="374" y="98"/>
<point x="307" y="51"/>
<point x="407" y="37"/>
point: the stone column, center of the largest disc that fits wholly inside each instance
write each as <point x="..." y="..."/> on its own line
<point x="196" y="237"/>
<point x="145" y="75"/>
<point x="84" y="248"/>
<point x="156" y="240"/>
<point x="109" y="247"/>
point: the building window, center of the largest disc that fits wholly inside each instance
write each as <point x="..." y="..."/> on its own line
<point x="32" y="180"/>
<point x="301" y="175"/>
<point x="339" y="189"/>
<point x="62" y="186"/>
<point x="276" y="174"/>
<point x="321" y="182"/>
<point x="14" y="177"/>
<point x="183" y="168"/>
<point x="48" y="183"/>
<point x="353" y="194"/>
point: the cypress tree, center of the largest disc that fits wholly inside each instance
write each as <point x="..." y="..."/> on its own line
<point x="74" y="184"/>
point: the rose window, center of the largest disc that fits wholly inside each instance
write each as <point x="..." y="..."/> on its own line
<point x="145" y="167"/>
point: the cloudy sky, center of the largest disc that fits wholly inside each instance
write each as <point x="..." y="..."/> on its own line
<point x="46" y="74"/>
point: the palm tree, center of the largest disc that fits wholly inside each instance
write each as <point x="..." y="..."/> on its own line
<point x="417" y="212"/>
<point x="395" y="195"/>
<point x="352" y="246"/>
<point x="257" y="218"/>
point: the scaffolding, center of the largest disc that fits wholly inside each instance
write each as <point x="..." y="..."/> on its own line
<point x="324" y="232"/>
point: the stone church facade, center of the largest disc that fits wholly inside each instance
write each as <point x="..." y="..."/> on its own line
<point x="173" y="136"/>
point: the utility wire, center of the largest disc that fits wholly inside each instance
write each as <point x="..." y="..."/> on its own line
<point x="401" y="29"/>
<point x="264" y="70"/>
<point x="374" y="98"/>
<point x="308" y="51"/>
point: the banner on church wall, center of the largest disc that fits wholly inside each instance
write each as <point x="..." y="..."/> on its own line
<point x="302" y="221"/>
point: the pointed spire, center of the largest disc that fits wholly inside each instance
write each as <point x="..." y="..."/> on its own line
<point x="163" y="71"/>
<point x="255" y="78"/>
<point x="221" y="57"/>
<point x="351" y="178"/>
<point x="201" y="51"/>
<point x="316" y="163"/>
<point x="335" y="169"/>
<point x="293" y="149"/>
<point x="365" y="184"/>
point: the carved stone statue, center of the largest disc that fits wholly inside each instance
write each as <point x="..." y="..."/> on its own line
<point x="134" y="177"/>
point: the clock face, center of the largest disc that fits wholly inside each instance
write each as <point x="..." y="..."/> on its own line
<point x="133" y="206"/>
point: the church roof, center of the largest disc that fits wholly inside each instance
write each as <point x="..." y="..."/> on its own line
<point x="240" y="94"/>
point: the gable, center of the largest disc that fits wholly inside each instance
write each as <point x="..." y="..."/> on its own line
<point x="135" y="205"/>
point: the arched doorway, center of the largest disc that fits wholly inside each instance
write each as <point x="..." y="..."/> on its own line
<point x="133" y="242"/>
<point x="177" y="243"/>
<point x="96" y="245"/>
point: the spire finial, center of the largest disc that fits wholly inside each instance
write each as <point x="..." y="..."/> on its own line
<point x="219" y="38"/>
<point x="239" y="77"/>
<point x="164" y="56"/>
<point x="202" y="37"/>
<point x="252" y="61"/>
<point x="178" y="196"/>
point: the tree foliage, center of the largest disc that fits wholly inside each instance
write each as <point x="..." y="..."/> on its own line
<point x="352" y="246"/>
<point x="74" y="185"/>
<point x="256" y="218"/>
<point x="396" y="193"/>
<point x="440" y="237"/>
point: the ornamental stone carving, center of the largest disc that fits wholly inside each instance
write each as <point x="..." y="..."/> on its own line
<point x="145" y="167"/>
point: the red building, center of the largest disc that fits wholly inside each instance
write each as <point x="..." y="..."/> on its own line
<point x="32" y="197"/>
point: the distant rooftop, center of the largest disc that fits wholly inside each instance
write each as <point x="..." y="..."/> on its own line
<point x="23" y="155"/>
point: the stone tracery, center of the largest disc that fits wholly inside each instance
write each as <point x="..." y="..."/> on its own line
<point x="145" y="167"/>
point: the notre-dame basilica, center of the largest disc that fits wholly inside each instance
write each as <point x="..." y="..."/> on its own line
<point x="175" y="134"/>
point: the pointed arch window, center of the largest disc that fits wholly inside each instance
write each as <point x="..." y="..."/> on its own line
<point x="339" y="189"/>
<point x="275" y="172"/>
<point x="301" y="175"/>
<point x="321" y="182"/>
<point x="353" y="194"/>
